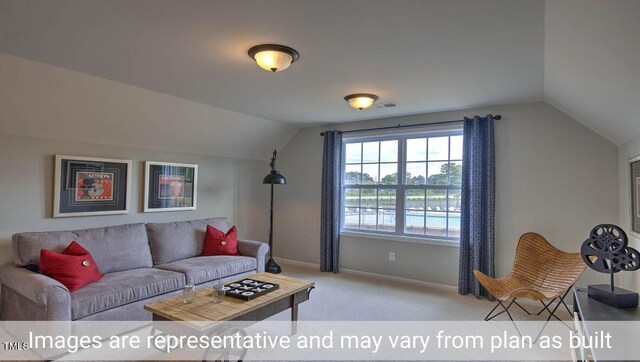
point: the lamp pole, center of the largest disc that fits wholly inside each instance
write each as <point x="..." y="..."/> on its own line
<point x="273" y="178"/>
<point x="271" y="266"/>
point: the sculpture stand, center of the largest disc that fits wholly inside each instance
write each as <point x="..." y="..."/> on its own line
<point x="618" y="297"/>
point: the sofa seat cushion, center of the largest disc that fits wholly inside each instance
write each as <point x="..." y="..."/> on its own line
<point x="202" y="269"/>
<point x="123" y="287"/>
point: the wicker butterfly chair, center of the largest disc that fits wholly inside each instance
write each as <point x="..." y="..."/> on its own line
<point x="540" y="272"/>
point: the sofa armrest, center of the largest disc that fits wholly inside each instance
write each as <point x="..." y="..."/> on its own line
<point x="51" y="297"/>
<point x="257" y="249"/>
<point x="252" y="248"/>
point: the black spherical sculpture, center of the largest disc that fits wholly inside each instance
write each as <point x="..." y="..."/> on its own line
<point x="607" y="251"/>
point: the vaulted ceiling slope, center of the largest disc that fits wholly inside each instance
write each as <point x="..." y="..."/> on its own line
<point x="40" y="100"/>
<point x="592" y="64"/>
<point x="427" y="55"/>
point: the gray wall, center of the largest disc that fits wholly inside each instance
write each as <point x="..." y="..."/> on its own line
<point x="551" y="178"/>
<point x="226" y="187"/>
<point x="627" y="151"/>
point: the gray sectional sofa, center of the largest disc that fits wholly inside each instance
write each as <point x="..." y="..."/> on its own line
<point x="141" y="263"/>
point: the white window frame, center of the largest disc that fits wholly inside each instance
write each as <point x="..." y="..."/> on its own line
<point x="400" y="187"/>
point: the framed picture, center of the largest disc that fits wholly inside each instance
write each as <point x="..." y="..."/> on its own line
<point x="634" y="165"/>
<point x="170" y="186"/>
<point x="85" y="186"/>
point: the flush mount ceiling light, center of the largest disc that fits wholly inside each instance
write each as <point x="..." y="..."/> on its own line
<point x="361" y="100"/>
<point x="273" y="57"/>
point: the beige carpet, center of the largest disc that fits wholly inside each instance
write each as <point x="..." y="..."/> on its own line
<point x="347" y="296"/>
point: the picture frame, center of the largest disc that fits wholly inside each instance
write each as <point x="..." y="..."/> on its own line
<point x="170" y="186"/>
<point x="634" y="171"/>
<point x="88" y="186"/>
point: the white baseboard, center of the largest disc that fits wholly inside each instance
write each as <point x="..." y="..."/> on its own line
<point x="297" y="263"/>
<point x="371" y="275"/>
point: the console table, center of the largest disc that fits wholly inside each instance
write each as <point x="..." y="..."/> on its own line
<point x="587" y="309"/>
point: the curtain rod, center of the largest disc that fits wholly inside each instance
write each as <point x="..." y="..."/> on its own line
<point x="497" y="116"/>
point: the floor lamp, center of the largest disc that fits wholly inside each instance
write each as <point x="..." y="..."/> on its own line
<point x="273" y="178"/>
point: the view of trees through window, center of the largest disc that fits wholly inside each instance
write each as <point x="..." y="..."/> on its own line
<point x="425" y="201"/>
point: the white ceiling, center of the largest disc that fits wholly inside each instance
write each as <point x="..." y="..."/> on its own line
<point x="592" y="65"/>
<point x="582" y="56"/>
<point x="424" y="55"/>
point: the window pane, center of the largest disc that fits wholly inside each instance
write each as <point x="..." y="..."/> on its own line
<point x="431" y="199"/>
<point x="437" y="173"/>
<point x="387" y="198"/>
<point x="454" y="201"/>
<point x="389" y="173"/>
<point x="387" y="220"/>
<point x="352" y="198"/>
<point x="370" y="151"/>
<point x="437" y="223"/>
<point x="456" y="147"/>
<point x="454" y="225"/>
<point x="415" y="200"/>
<point x="438" y="148"/>
<point x="455" y="173"/>
<point x="368" y="219"/>
<point x="351" y="217"/>
<point x="417" y="149"/>
<point x="436" y="200"/>
<point x="368" y="198"/>
<point x="352" y="174"/>
<point x="369" y="174"/>
<point x="389" y="151"/>
<point x="414" y="222"/>
<point x="416" y="173"/>
<point x="353" y="153"/>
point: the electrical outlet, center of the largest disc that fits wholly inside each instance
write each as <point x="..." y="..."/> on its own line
<point x="392" y="256"/>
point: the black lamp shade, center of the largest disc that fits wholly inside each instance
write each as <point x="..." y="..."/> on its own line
<point x="274" y="178"/>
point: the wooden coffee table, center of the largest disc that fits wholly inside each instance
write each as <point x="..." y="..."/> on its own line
<point x="203" y="317"/>
<point x="202" y="311"/>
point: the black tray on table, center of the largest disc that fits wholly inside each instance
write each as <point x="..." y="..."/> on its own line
<point x="247" y="289"/>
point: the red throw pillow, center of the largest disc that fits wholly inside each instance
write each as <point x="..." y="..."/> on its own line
<point x="218" y="243"/>
<point x="74" y="267"/>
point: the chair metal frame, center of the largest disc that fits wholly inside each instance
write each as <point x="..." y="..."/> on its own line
<point x="544" y="307"/>
<point x="540" y="272"/>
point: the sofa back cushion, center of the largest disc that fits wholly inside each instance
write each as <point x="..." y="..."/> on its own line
<point x="114" y="248"/>
<point x="171" y="241"/>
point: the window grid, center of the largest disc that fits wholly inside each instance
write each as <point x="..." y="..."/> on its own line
<point x="373" y="216"/>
